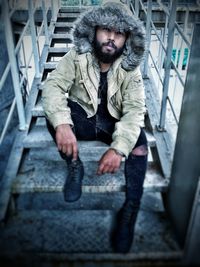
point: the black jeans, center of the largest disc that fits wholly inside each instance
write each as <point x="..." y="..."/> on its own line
<point x="95" y="129"/>
<point x="90" y="129"/>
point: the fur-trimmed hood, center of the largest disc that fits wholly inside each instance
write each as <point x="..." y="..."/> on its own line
<point x="114" y="16"/>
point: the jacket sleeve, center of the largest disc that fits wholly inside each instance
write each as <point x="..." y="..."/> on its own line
<point x="127" y="130"/>
<point x="55" y="89"/>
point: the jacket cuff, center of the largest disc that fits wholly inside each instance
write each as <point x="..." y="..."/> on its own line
<point x="60" y="118"/>
<point x="122" y="145"/>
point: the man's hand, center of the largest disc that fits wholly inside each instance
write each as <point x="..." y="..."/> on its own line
<point x="66" y="140"/>
<point x="109" y="162"/>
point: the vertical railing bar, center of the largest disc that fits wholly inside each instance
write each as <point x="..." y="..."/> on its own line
<point x="37" y="40"/>
<point x="163" y="43"/>
<point x="45" y="23"/>
<point x="185" y="31"/>
<point x="172" y="18"/>
<point x="132" y="8"/>
<point x="137" y="8"/>
<point x="13" y="62"/>
<point x="4" y="76"/>
<point x="148" y="38"/>
<point x="9" y="117"/>
<point x="159" y="76"/>
<point x="53" y="13"/>
<point x="26" y="67"/>
<point x="172" y="109"/>
<point x="34" y="39"/>
<point x="39" y="32"/>
<point x="160" y="52"/>
<point x="6" y="71"/>
<point x="28" y="63"/>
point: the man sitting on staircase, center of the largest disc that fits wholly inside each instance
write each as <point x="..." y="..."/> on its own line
<point x="97" y="93"/>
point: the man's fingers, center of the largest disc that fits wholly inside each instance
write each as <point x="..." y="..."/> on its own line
<point x="100" y="169"/>
<point x="74" y="151"/>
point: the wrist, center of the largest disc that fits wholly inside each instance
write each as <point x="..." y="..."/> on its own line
<point x="118" y="152"/>
<point x="60" y="126"/>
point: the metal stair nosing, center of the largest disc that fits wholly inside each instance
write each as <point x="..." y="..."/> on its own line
<point x="64" y="24"/>
<point x="64" y="15"/>
<point x="49" y="176"/>
<point x="57" y="51"/>
<point x="61" y="36"/>
<point x="39" y="136"/>
<point x="50" y="65"/>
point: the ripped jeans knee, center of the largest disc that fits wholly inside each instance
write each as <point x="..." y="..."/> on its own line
<point x="141" y="150"/>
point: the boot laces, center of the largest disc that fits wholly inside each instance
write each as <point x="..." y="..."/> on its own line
<point x="73" y="169"/>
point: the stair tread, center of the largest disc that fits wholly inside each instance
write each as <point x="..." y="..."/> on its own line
<point x="64" y="24"/>
<point x="61" y="36"/>
<point x="50" y="65"/>
<point x="67" y="15"/>
<point x="39" y="136"/>
<point x="58" y="50"/>
<point x="82" y="231"/>
<point x="102" y="201"/>
<point x="49" y="176"/>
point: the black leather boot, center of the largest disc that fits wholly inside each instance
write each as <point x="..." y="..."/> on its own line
<point x="73" y="186"/>
<point x="135" y="169"/>
<point x="125" y="224"/>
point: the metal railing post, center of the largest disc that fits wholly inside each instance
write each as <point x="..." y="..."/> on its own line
<point x="45" y="23"/>
<point x="136" y="7"/>
<point x="53" y="12"/>
<point x="13" y="65"/>
<point x="170" y="40"/>
<point x="34" y="39"/>
<point x="148" y="38"/>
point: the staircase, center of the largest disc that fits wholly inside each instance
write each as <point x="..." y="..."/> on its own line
<point x="39" y="227"/>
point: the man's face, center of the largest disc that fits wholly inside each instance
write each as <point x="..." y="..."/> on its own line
<point x="108" y="44"/>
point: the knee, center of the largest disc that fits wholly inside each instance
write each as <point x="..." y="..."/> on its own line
<point x="140" y="151"/>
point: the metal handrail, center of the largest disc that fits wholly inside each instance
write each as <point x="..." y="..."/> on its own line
<point x="18" y="80"/>
<point x="7" y="69"/>
<point x="168" y="52"/>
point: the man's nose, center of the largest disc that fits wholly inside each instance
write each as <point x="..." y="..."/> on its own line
<point x="111" y="35"/>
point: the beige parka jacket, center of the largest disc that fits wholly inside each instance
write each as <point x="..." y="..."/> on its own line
<point x="77" y="77"/>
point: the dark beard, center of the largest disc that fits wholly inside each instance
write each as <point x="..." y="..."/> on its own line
<point x="106" y="57"/>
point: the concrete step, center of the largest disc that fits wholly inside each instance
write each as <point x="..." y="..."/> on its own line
<point x="82" y="231"/>
<point x="50" y="176"/>
<point x="40" y="137"/>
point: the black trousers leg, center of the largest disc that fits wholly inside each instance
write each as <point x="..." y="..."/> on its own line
<point x="135" y="170"/>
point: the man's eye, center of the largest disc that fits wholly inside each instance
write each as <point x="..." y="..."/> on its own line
<point x="120" y="33"/>
<point x="106" y="29"/>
